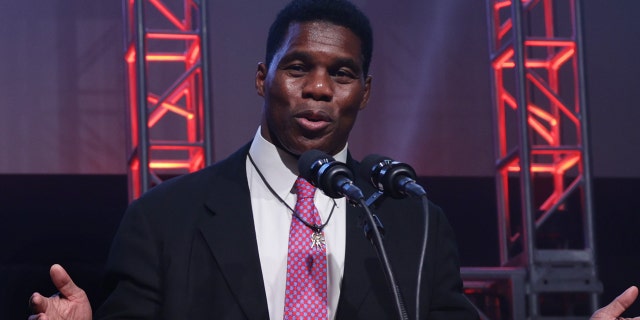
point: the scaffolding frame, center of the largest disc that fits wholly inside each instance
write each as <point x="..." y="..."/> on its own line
<point x="168" y="117"/>
<point x="543" y="167"/>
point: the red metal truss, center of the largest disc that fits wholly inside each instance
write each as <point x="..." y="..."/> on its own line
<point x="550" y="111"/>
<point x="543" y="181"/>
<point x="167" y="91"/>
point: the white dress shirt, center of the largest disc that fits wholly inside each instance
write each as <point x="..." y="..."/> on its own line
<point x="272" y="221"/>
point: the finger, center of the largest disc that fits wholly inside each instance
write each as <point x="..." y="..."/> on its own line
<point x="38" y="303"/>
<point x="39" y="316"/>
<point x="621" y="302"/>
<point x="63" y="282"/>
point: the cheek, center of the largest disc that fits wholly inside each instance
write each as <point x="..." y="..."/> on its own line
<point x="283" y="106"/>
<point x="351" y="103"/>
<point x="291" y="87"/>
<point x="281" y="90"/>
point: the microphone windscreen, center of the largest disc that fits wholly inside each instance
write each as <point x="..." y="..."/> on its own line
<point x="369" y="164"/>
<point x="306" y="164"/>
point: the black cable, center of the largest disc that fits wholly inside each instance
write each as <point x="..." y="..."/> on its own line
<point x="423" y="253"/>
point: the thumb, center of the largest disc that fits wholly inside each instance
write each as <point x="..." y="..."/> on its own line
<point x="63" y="282"/>
<point x="621" y="302"/>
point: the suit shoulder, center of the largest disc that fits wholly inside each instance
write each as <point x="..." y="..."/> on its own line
<point x="196" y="185"/>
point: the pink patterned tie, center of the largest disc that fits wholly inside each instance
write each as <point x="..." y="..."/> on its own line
<point x="306" y="293"/>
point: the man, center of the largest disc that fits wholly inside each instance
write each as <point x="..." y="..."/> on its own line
<point x="214" y="244"/>
<point x="217" y="244"/>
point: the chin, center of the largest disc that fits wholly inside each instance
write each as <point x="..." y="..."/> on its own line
<point x="305" y="144"/>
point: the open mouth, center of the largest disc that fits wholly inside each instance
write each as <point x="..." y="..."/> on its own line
<point x="313" y="121"/>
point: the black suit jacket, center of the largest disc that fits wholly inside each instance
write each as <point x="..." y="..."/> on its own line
<point x="187" y="250"/>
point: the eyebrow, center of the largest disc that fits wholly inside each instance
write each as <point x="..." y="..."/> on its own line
<point x="305" y="56"/>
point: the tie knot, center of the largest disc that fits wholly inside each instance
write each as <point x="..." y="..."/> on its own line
<point x="304" y="189"/>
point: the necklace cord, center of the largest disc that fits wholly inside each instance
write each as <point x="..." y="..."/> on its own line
<point x="316" y="228"/>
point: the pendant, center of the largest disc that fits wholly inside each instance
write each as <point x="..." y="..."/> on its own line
<point x="317" y="240"/>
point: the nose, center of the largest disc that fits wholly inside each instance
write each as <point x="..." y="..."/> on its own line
<point x="318" y="86"/>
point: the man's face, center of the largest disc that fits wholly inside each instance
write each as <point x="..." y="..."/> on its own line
<point x="313" y="89"/>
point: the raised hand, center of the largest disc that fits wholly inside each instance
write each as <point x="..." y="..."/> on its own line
<point x="71" y="303"/>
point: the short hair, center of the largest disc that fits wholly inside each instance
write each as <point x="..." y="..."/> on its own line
<point x="338" y="12"/>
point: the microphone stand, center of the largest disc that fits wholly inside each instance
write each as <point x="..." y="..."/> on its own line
<point x="374" y="201"/>
<point x="376" y="240"/>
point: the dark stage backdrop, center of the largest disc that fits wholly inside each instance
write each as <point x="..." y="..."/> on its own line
<point x="70" y="219"/>
<point x="63" y="99"/>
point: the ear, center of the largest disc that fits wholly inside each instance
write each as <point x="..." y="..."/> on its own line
<point x="367" y="92"/>
<point x="261" y="76"/>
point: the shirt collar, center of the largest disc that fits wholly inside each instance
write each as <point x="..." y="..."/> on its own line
<point x="278" y="167"/>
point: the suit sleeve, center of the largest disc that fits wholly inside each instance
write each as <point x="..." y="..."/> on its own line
<point x="447" y="299"/>
<point x="132" y="275"/>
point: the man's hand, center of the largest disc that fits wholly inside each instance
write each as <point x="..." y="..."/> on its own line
<point x="71" y="303"/>
<point x="614" y="309"/>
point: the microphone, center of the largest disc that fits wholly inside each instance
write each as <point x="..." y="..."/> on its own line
<point x="394" y="178"/>
<point x="331" y="176"/>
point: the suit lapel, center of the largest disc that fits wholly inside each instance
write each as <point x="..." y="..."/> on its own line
<point x="355" y="281"/>
<point x="230" y="234"/>
<point x="359" y="255"/>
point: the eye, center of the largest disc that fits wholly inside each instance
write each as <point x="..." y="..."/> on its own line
<point x="344" y="75"/>
<point x="296" y="70"/>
